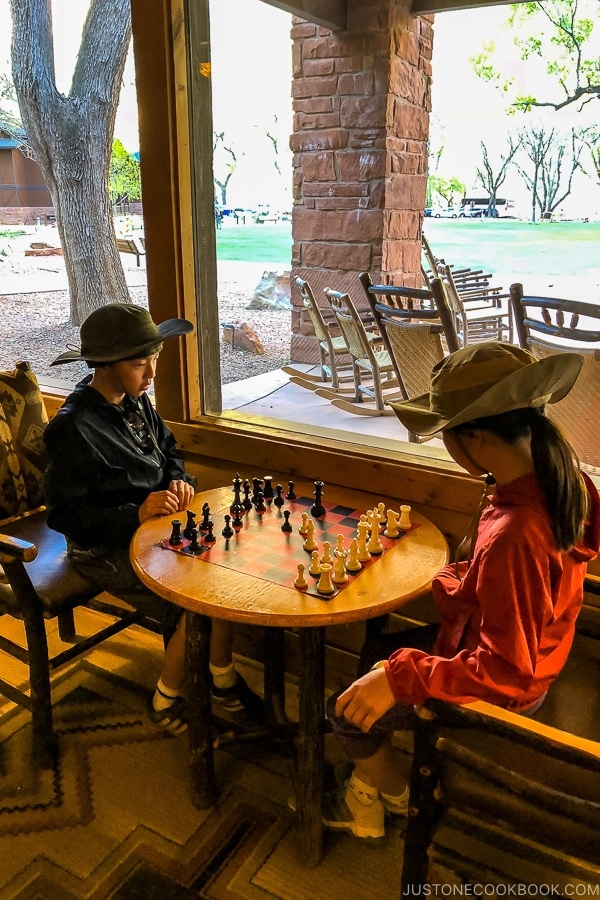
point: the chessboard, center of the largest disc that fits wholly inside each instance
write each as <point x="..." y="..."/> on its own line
<point x="261" y="549"/>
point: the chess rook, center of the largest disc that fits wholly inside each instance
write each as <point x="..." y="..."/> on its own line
<point x="404" y="524"/>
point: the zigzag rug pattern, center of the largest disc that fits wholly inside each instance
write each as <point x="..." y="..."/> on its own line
<point x="113" y="817"/>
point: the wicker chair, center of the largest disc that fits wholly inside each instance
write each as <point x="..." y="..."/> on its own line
<point x="541" y="327"/>
<point x="479" y="314"/>
<point x="37" y="581"/>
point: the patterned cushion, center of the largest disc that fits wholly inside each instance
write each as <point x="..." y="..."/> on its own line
<point x="26" y="418"/>
<point x="13" y="492"/>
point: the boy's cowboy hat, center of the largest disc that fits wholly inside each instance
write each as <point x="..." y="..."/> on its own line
<point x="486" y="380"/>
<point x="120" y="331"/>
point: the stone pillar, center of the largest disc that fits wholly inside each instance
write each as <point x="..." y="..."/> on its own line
<point x="361" y="117"/>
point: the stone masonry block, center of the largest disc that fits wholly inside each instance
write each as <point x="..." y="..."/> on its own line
<point x="328" y="139"/>
<point x="337" y="256"/>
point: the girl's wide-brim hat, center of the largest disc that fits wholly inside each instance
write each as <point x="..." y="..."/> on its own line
<point x="486" y="380"/>
<point x="120" y="331"/>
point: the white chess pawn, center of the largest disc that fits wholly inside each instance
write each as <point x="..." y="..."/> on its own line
<point x="404" y="524"/>
<point x="304" y="524"/>
<point x="353" y="564"/>
<point x="301" y="583"/>
<point x="327" y="557"/>
<point x="315" y="564"/>
<point x="325" y="584"/>
<point x="309" y="543"/>
<point x="391" y="528"/>
<point x="381" y="507"/>
<point x="339" y="545"/>
<point x="362" y="553"/>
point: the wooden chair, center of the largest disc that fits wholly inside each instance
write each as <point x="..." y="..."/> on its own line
<point x="334" y="357"/>
<point x="366" y="359"/>
<point x="479" y="314"/>
<point x="466" y="278"/>
<point x="502" y="799"/>
<point x="37" y="580"/>
<point x="541" y="326"/>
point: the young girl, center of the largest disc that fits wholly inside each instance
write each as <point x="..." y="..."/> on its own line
<point x="508" y="613"/>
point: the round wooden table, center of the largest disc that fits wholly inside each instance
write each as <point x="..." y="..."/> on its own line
<point x="207" y="590"/>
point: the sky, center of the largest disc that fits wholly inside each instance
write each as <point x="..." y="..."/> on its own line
<point x="251" y="77"/>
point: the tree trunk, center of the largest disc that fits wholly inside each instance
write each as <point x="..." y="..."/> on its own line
<point x="71" y="137"/>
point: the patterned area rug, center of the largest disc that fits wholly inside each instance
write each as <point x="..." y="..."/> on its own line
<point x="113" y="817"/>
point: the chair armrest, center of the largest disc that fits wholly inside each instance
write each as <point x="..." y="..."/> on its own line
<point x="15" y="549"/>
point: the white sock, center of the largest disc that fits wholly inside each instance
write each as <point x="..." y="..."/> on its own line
<point x="366" y="793"/>
<point x="223" y="677"/>
<point x="164" y="696"/>
<point x="396" y="801"/>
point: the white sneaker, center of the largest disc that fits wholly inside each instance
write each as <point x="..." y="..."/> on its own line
<point x="343" y="811"/>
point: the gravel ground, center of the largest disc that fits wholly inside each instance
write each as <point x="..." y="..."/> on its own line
<point x="34" y="322"/>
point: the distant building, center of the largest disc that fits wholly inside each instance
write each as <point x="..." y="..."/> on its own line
<point x="24" y="197"/>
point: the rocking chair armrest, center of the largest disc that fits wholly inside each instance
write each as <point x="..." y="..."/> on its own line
<point x="12" y="548"/>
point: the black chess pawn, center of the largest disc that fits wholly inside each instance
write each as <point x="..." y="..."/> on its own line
<point x="176" y="540"/>
<point x="203" y="526"/>
<point x="290" y="494"/>
<point x="228" y="530"/>
<point x="209" y="537"/>
<point x="237" y="522"/>
<point x="190" y="525"/>
<point x="278" y="500"/>
<point x="260" y="506"/>
<point x="317" y="509"/>
<point x="268" y="488"/>
<point x="286" y="527"/>
<point x="194" y="546"/>
<point x="247" y="502"/>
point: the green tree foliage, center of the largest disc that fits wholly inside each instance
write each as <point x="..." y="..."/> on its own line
<point x="446" y="188"/>
<point x="124" y="182"/>
<point x="561" y="35"/>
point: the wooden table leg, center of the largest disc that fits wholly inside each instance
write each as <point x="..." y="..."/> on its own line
<point x="311" y="745"/>
<point x="200" y="735"/>
<point x="274" y="675"/>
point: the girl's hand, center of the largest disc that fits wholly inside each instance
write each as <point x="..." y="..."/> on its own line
<point x="366" y="700"/>
<point x="184" y="493"/>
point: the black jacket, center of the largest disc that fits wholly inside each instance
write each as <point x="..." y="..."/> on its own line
<point x="98" y="475"/>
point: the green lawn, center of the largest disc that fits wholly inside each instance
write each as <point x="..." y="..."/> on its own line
<point x="503" y="246"/>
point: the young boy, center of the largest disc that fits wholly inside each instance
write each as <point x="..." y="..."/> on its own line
<point x="114" y="464"/>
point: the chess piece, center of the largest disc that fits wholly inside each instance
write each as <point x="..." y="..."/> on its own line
<point x="228" y="530"/>
<point x="327" y="557"/>
<point x="405" y="524"/>
<point x="339" y="574"/>
<point x="362" y="553"/>
<point x="176" y="539"/>
<point x="278" y="500"/>
<point x="353" y="564"/>
<point x="237" y="500"/>
<point x="260" y="503"/>
<point x="290" y="494"/>
<point x="325" y="585"/>
<point x="391" y="528"/>
<point x="315" y="563"/>
<point x="246" y="502"/>
<point x="286" y="527"/>
<point x="317" y="509"/>
<point x="304" y="525"/>
<point x="268" y="488"/>
<point x="190" y="524"/>
<point x="339" y="545"/>
<point x="237" y="521"/>
<point x="194" y="546"/>
<point x="301" y="583"/>
<point x="256" y="487"/>
<point x="382" y="513"/>
<point x="374" y="546"/>
<point x="203" y="526"/>
<point x="309" y="542"/>
<point x="209" y="537"/>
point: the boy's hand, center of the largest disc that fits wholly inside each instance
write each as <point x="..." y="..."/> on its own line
<point x="366" y="700"/>
<point x="158" y="503"/>
<point x="184" y="493"/>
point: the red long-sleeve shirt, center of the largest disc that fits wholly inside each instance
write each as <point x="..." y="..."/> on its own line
<point x="508" y="620"/>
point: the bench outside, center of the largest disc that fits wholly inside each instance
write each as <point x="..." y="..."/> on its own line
<point x="131" y="245"/>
